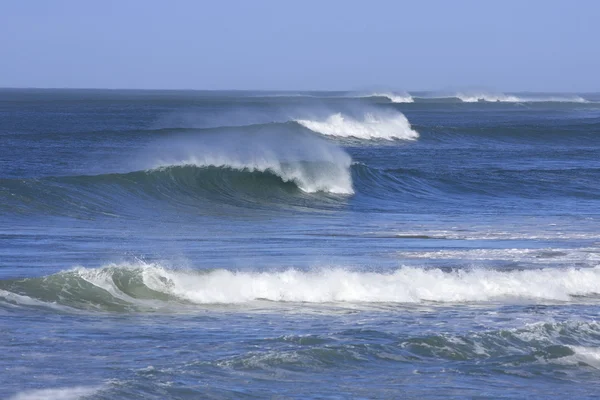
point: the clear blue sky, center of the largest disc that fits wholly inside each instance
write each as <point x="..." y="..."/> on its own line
<point x="507" y="45"/>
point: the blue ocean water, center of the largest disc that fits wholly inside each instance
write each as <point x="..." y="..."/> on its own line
<point x="191" y="244"/>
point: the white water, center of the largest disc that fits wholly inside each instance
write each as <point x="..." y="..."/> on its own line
<point x="372" y="126"/>
<point x="404" y="285"/>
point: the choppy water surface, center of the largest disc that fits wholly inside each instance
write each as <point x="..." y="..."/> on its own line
<point x="175" y="245"/>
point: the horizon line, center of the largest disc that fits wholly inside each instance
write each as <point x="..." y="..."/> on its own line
<point x="374" y="91"/>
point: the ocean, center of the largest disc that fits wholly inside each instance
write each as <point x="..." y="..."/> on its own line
<point x="299" y="245"/>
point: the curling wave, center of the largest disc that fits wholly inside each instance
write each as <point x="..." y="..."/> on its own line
<point x="151" y="285"/>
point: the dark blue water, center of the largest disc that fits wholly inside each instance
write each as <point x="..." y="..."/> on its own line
<point x="184" y="245"/>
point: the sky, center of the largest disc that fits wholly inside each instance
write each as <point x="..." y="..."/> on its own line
<point x="503" y="45"/>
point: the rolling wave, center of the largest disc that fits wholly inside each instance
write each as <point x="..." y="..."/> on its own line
<point x="304" y="159"/>
<point x="183" y="187"/>
<point x="131" y="286"/>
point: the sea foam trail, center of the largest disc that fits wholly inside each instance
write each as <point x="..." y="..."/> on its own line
<point x="371" y="126"/>
<point x="307" y="160"/>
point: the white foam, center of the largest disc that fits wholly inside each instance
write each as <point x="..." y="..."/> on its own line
<point x="404" y="285"/>
<point x="64" y="393"/>
<point x="372" y="126"/>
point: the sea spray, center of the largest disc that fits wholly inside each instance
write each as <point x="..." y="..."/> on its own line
<point x="312" y="163"/>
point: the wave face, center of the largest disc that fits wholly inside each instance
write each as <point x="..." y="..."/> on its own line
<point x="372" y="126"/>
<point x="151" y="285"/>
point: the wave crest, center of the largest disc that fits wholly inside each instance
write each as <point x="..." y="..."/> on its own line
<point x="371" y="126"/>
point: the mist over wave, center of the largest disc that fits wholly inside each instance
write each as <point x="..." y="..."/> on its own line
<point x="310" y="162"/>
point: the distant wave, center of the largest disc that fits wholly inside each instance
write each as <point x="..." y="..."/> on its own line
<point x="126" y="286"/>
<point x="394" y="98"/>
<point x="372" y="126"/>
<point x="470" y="97"/>
<point x="459" y="96"/>
<point x="390" y="96"/>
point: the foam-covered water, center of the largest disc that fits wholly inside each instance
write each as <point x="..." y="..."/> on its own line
<point x="374" y="244"/>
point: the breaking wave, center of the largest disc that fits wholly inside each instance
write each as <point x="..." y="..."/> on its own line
<point x="308" y="161"/>
<point x="371" y="126"/>
<point x="127" y="286"/>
